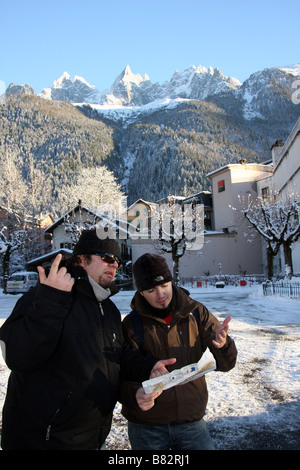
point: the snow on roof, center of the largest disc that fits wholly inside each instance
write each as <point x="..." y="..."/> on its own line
<point x="143" y="202"/>
<point x="50" y="255"/>
<point x="62" y="218"/>
<point x="246" y="166"/>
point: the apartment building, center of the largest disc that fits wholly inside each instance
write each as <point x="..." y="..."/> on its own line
<point x="284" y="185"/>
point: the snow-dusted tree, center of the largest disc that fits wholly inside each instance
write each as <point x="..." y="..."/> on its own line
<point x="179" y="229"/>
<point x="11" y="240"/>
<point x="38" y="190"/>
<point x="21" y="200"/>
<point x="278" y="222"/>
<point x="13" y="190"/>
<point x="12" y="199"/>
<point x="74" y="228"/>
<point x="97" y="190"/>
<point x="96" y="187"/>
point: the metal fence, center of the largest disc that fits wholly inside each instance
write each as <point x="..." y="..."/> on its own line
<point x="283" y="289"/>
<point x="227" y="279"/>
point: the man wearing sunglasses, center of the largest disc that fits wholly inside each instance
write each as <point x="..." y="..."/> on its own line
<point x="64" y="346"/>
<point x="101" y="267"/>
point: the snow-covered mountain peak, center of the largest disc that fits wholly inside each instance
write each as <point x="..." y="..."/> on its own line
<point x="265" y="87"/>
<point x="65" y="80"/>
<point x="76" y="91"/>
<point x="198" y="82"/>
<point x="61" y="80"/>
<point x="126" y="87"/>
<point x="127" y="77"/>
<point x="14" y="89"/>
<point x="291" y="69"/>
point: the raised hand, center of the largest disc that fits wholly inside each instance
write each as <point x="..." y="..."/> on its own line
<point x="57" y="278"/>
<point x="221" y="334"/>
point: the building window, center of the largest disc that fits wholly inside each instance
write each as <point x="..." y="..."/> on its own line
<point x="265" y="193"/>
<point x="69" y="246"/>
<point x="221" y="186"/>
<point x="207" y="219"/>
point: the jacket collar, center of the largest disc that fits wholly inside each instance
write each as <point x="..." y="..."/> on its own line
<point x="100" y="292"/>
<point x="89" y="287"/>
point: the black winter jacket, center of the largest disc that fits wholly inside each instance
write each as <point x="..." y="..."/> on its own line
<point x="66" y="358"/>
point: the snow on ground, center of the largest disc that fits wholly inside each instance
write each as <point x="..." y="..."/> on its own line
<point x="254" y="406"/>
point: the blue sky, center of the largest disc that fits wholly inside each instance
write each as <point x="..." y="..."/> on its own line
<point x="96" y="39"/>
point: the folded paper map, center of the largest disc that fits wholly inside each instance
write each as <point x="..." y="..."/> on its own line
<point x="181" y="376"/>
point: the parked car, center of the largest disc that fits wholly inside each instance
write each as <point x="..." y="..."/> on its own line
<point x="20" y="282"/>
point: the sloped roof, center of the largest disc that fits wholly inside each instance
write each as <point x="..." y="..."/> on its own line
<point x="71" y="211"/>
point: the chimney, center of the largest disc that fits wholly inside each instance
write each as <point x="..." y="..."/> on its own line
<point x="276" y="151"/>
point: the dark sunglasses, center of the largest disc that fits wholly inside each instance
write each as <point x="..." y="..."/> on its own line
<point x="109" y="258"/>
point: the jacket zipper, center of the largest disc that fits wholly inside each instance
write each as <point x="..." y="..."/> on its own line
<point x="114" y="341"/>
<point x="49" y="427"/>
<point x="184" y="346"/>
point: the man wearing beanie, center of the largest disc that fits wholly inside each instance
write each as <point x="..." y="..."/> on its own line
<point x="166" y="322"/>
<point x="64" y="346"/>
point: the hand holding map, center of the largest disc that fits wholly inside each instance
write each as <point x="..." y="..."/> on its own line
<point x="181" y="376"/>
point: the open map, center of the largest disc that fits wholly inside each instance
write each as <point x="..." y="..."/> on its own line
<point x="181" y="376"/>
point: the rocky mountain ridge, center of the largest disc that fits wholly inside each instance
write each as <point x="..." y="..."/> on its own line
<point x="195" y="83"/>
<point x="130" y="89"/>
